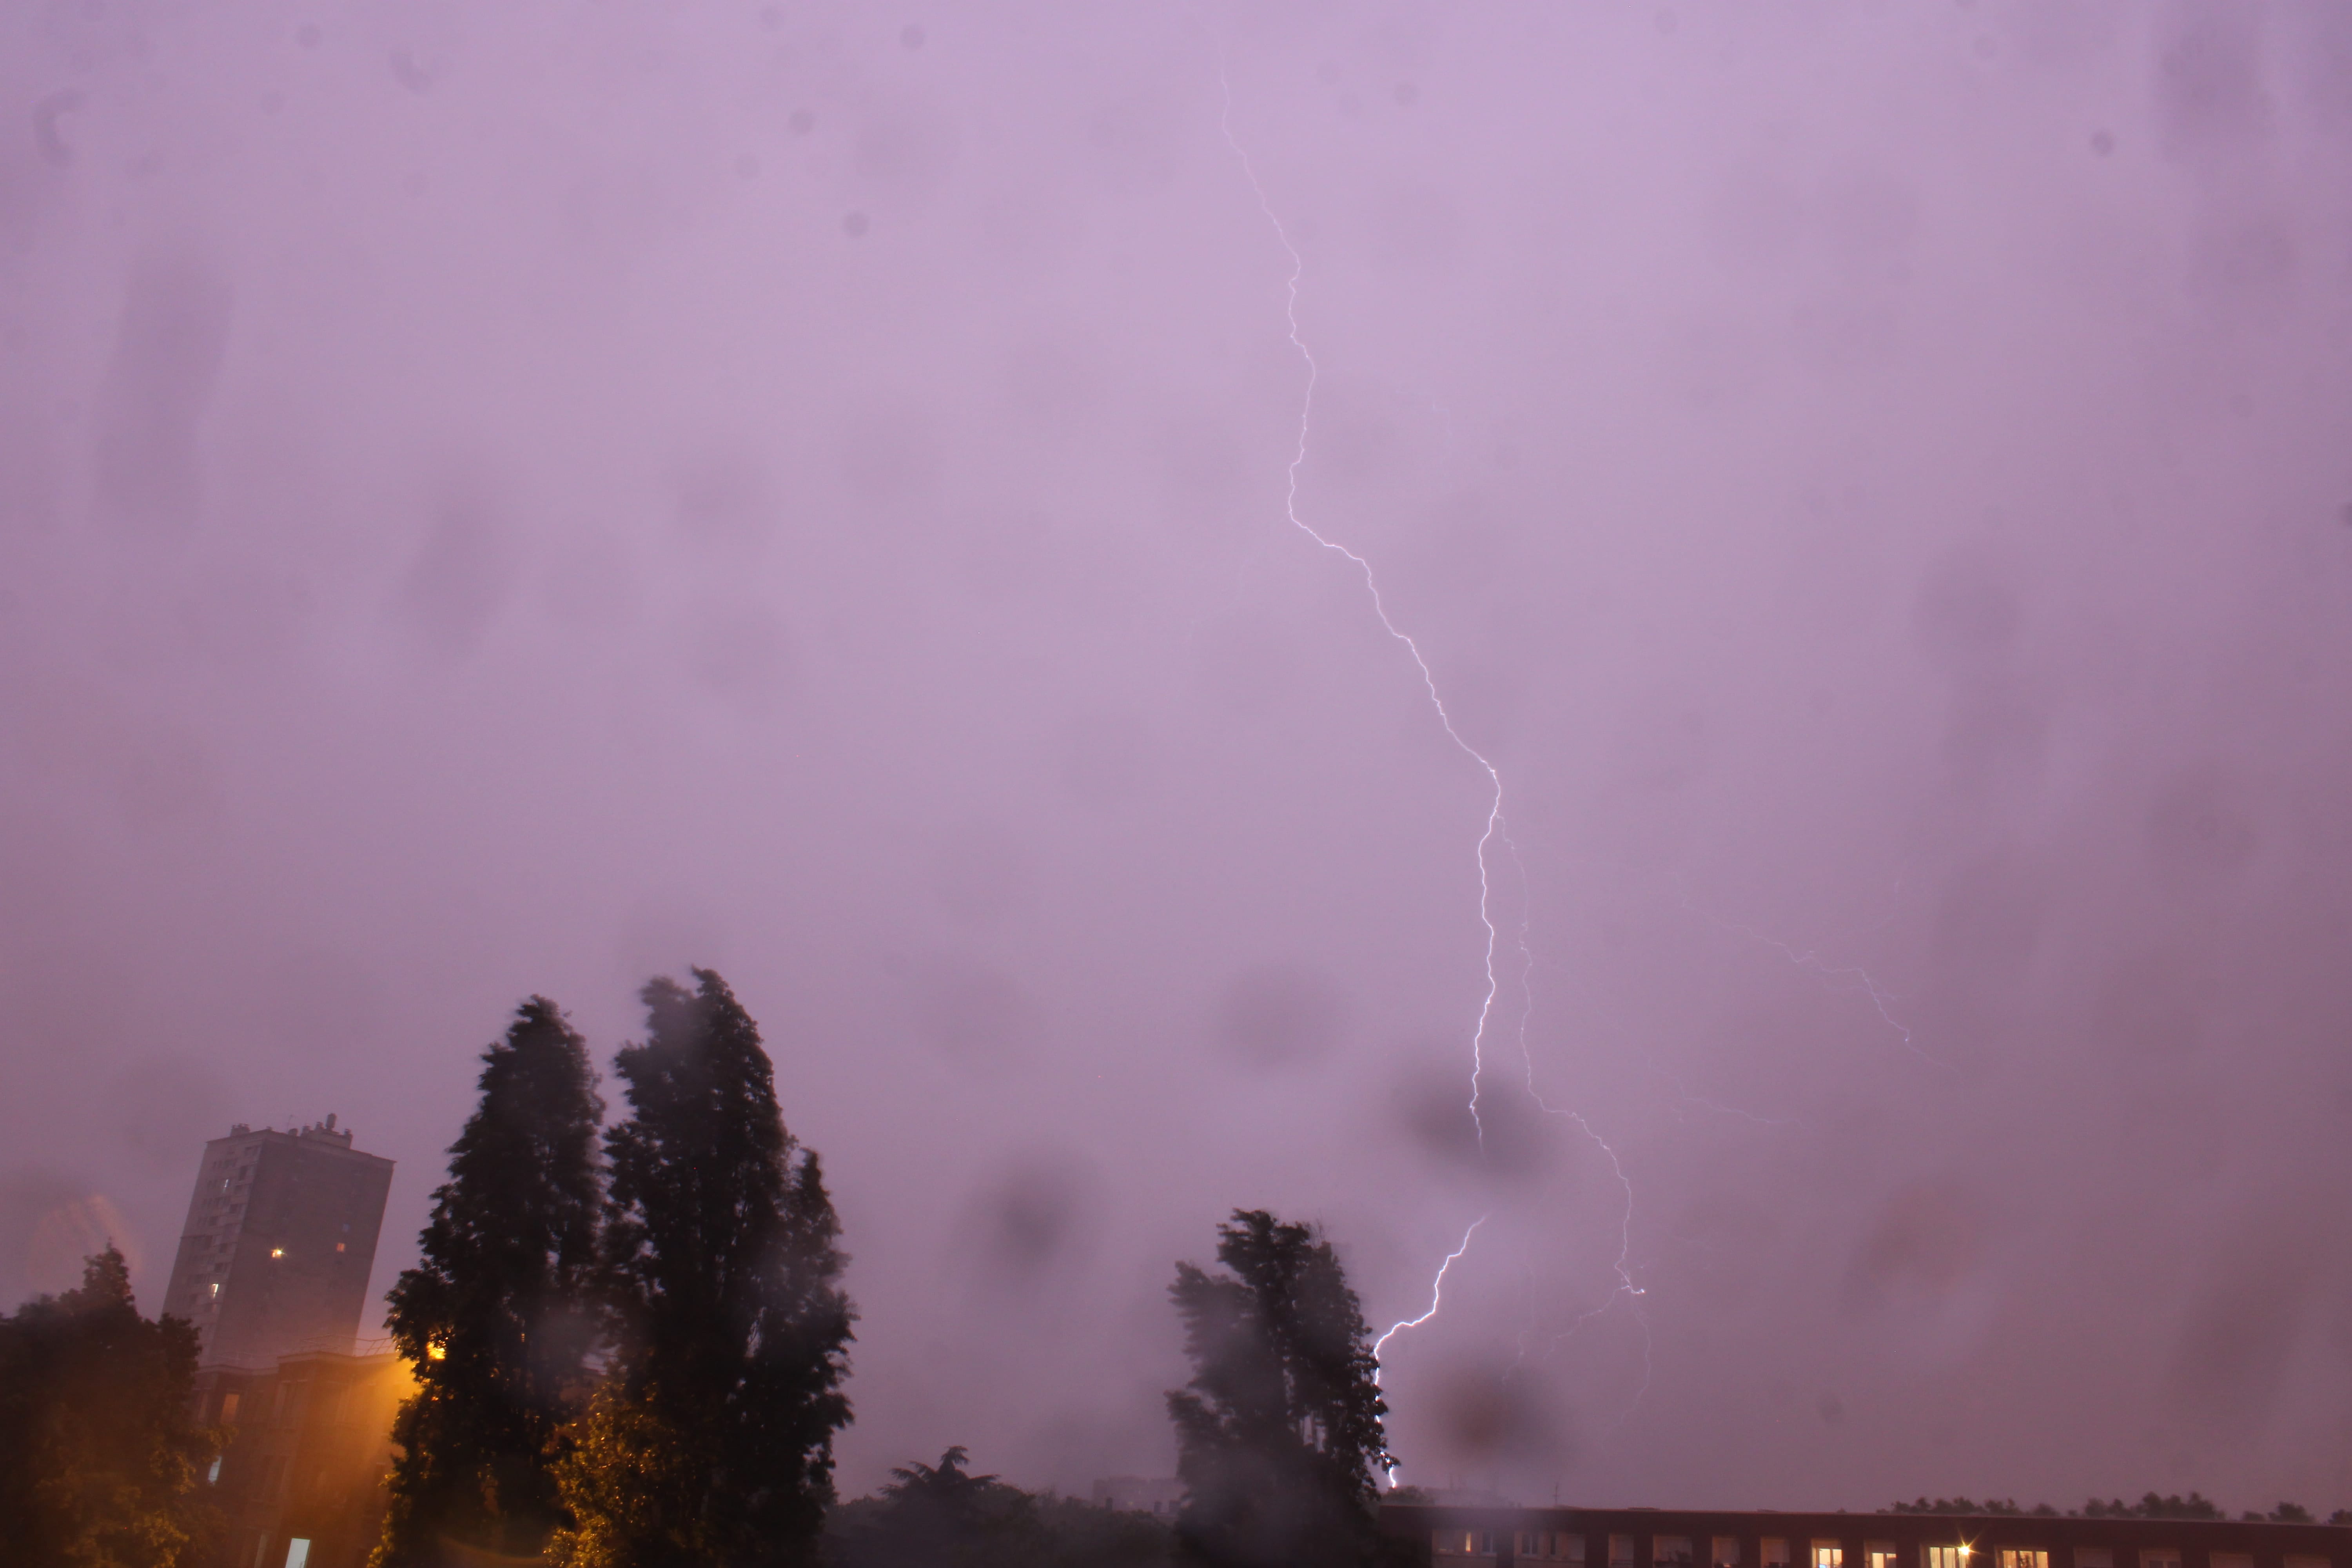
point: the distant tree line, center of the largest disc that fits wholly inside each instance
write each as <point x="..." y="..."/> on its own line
<point x="2196" y="1505"/>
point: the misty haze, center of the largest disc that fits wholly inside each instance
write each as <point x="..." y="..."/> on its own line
<point x="1709" y="638"/>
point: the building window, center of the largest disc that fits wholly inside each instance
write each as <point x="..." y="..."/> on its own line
<point x="1670" y="1550"/>
<point x="212" y="1477"/>
<point x="1775" y="1553"/>
<point x="297" y="1552"/>
<point x="1722" y="1551"/>
<point x="1880" y="1554"/>
<point x="2294" y="1562"/>
<point x="2160" y="1557"/>
<point x="228" y="1406"/>
<point x="2034" y="1557"/>
<point x="2229" y="1559"/>
<point x="1572" y="1548"/>
<point x="2093" y="1557"/>
<point x="1829" y="1555"/>
<point x="1620" y="1552"/>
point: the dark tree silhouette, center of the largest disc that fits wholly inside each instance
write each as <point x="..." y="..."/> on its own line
<point x="942" y="1516"/>
<point x="98" y="1455"/>
<point x="732" y="1328"/>
<point x="497" y="1317"/>
<point x="1279" y="1433"/>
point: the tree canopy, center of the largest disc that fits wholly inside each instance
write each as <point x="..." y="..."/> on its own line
<point x="99" y="1456"/>
<point x="497" y="1317"/>
<point x="1279" y="1433"/>
<point x="723" y="1269"/>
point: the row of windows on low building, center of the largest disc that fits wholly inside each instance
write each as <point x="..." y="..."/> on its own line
<point x="1723" y="1551"/>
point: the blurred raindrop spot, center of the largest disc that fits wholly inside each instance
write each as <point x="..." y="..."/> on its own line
<point x="1965" y="609"/>
<point x="747" y="165"/>
<point x="1406" y="94"/>
<point x="801" y="123"/>
<point x="409" y="74"/>
<point x="854" y="225"/>
<point x="1276" y="1013"/>
<point x="47" y="134"/>
<point x="306" y="35"/>
<point x="911" y="37"/>
<point x="1666" y="21"/>
<point x="2102" y="143"/>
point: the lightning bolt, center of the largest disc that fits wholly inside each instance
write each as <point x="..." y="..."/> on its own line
<point x="1494" y="827"/>
<point x="1372" y="587"/>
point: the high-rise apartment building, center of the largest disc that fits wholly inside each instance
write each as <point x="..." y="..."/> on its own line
<point x="280" y="1240"/>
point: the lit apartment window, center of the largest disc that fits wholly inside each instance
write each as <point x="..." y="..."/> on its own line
<point x="1944" y="1556"/>
<point x="212" y="1477"/>
<point x="1775" y="1552"/>
<point x="229" y="1403"/>
<point x="1722" y="1551"/>
<point x="1829" y="1555"/>
<point x="2093" y="1557"/>
<point x="2034" y="1557"/>
<point x="1880" y="1554"/>
<point x="2160" y="1557"/>
<point x="1620" y="1552"/>
<point x="1670" y="1550"/>
<point x="2229" y="1559"/>
<point x="297" y="1552"/>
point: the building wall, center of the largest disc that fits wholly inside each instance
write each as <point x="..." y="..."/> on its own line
<point x="1658" y="1538"/>
<point x="278" y="1244"/>
<point x="309" y="1451"/>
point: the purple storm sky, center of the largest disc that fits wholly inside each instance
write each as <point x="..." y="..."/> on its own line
<point x="522" y="497"/>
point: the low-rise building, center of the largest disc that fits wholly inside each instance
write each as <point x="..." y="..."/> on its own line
<point x="302" y="1483"/>
<point x="1478" y="1537"/>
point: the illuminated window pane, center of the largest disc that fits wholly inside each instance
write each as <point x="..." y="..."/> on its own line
<point x="1776" y="1553"/>
<point x="1620" y="1552"/>
<point x="1829" y="1555"/>
<point x="1722" y="1551"/>
<point x="297" y="1552"/>
<point x="1670" y="1550"/>
<point x="1880" y="1554"/>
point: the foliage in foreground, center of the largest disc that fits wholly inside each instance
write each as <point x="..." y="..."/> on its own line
<point x="98" y="1453"/>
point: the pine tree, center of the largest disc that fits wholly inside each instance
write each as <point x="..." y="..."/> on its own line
<point x="98" y="1453"/>
<point x="1280" y="1431"/>
<point x="720" y="1244"/>
<point x="499" y="1316"/>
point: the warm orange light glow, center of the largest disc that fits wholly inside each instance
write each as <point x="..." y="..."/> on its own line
<point x="277" y="1252"/>
<point x="436" y="1350"/>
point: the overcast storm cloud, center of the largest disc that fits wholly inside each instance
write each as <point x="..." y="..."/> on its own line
<point x="524" y="498"/>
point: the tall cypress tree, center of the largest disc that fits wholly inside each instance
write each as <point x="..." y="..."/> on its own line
<point x="1280" y="1431"/>
<point x="500" y="1315"/>
<point x="720" y="1243"/>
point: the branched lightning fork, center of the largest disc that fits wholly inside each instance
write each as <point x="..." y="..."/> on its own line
<point x="1494" y="827"/>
